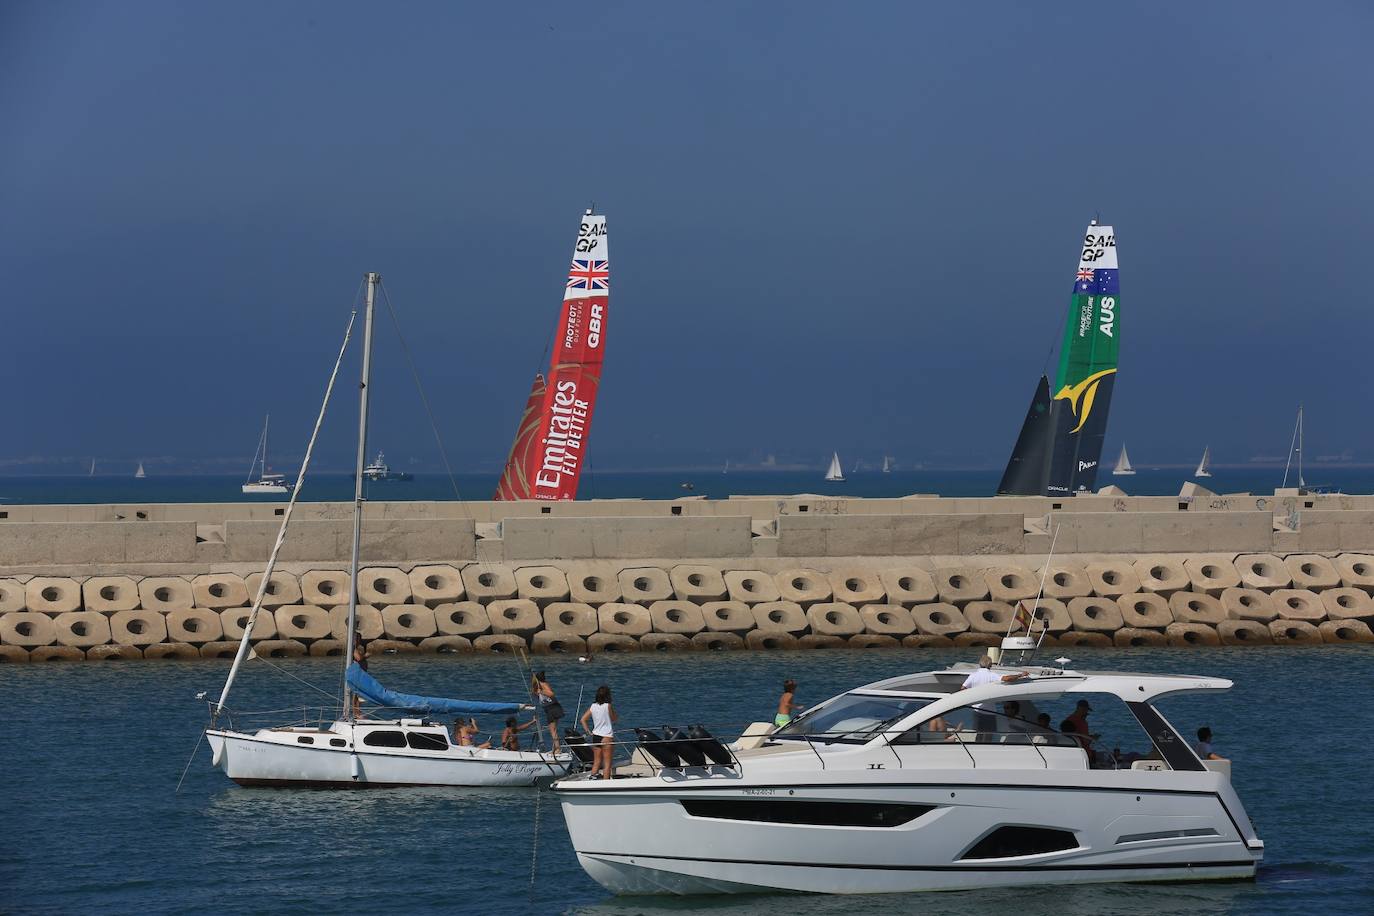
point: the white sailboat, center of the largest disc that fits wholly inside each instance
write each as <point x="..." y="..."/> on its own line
<point x="351" y="751"/>
<point x="91" y="473"/>
<point x="1295" y="448"/>
<point x="140" y="473"/>
<point x="726" y="469"/>
<point x="1123" y="464"/>
<point x="1202" y="470"/>
<point x="835" y="474"/>
<point x="266" y="483"/>
<point x="887" y="464"/>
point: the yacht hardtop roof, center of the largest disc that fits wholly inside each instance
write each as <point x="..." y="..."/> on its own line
<point x="1129" y="686"/>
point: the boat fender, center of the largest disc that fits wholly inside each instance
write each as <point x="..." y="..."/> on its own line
<point x="355" y="766"/>
<point x="656" y="748"/>
<point x="685" y="749"/>
<point x="217" y="752"/>
<point x="709" y="746"/>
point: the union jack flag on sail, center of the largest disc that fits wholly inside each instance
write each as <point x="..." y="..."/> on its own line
<point x="589" y="275"/>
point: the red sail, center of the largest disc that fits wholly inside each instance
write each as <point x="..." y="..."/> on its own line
<point x="514" y="482"/>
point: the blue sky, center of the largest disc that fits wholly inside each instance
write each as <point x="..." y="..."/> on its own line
<point x="833" y="226"/>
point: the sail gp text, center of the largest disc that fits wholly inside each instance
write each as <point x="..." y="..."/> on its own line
<point x="563" y="437"/>
<point x="590" y="235"/>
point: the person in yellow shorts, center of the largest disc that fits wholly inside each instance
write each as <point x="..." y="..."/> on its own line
<point x="786" y="704"/>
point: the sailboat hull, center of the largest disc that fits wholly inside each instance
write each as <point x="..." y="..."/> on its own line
<point x="265" y="488"/>
<point x="277" y="758"/>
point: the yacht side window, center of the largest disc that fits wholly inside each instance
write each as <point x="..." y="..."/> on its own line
<point x="385" y="739"/>
<point x="852" y="718"/>
<point x="983" y="726"/>
<point x="425" y="741"/>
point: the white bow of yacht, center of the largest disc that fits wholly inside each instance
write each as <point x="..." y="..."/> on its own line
<point x="912" y="783"/>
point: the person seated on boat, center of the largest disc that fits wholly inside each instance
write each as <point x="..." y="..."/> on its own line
<point x="465" y="734"/>
<point x="1012" y="724"/>
<point x="1043" y="729"/>
<point x="786" y="704"/>
<point x="1204" y="745"/>
<point x="359" y="656"/>
<point x="510" y="735"/>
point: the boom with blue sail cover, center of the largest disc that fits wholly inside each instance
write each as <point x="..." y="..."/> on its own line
<point x="371" y="690"/>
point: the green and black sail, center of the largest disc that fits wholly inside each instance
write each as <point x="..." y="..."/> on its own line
<point x="1060" y="446"/>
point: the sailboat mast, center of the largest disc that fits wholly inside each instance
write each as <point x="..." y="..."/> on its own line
<point x="372" y="280"/>
<point x="267" y="421"/>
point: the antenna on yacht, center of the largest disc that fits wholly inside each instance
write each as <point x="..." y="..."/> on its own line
<point x="1029" y="643"/>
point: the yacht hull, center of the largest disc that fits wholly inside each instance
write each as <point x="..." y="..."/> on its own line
<point x="268" y="761"/>
<point x="646" y="842"/>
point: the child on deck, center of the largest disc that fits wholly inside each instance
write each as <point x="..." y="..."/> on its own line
<point x="603" y="718"/>
<point x="787" y="705"/>
<point x="510" y="735"/>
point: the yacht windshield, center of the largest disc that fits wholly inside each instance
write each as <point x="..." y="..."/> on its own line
<point x="851" y="718"/>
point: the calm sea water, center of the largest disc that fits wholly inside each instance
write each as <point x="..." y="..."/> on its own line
<point x="648" y="485"/>
<point x="92" y="754"/>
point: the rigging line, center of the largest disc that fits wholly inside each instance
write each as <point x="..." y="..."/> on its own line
<point x="534" y="840"/>
<point x="415" y="374"/>
<point x="270" y="663"/>
<point x="186" y="769"/>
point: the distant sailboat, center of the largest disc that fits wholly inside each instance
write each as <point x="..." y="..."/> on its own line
<point x="887" y="464"/>
<point x="835" y="473"/>
<point x="91" y="473"/>
<point x="140" y="473"/>
<point x="855" y="468"/>
<point x="267" y="482"/>
<point x="1123" y="464"/>
<point x="1295" y="448"/>
<point x="726" y="469"/>
<point x="1202" y="470"/>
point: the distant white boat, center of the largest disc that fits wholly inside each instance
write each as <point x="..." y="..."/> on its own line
<point x="140" y="473"/>
<point x="1202" y="470"/>
<point x="91" y="473"/>
<point x="1123" y="464"/>
<point x="727" y="467"/>
<point x="835" y="472"/>
<point x="887" y="464"/>
<point x="266" y="483"/>
<point x="1295" y="450"/>
<point x="379" y="470"/>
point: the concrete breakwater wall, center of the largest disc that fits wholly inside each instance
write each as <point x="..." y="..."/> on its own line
<point x="1093" y="600"/>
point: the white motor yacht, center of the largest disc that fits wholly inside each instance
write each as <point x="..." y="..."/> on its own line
<point x="912" y="784"/>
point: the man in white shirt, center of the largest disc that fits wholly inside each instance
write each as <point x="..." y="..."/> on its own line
<point x="986" y="722"/>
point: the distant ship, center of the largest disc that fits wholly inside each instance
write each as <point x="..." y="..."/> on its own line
<point x="835" y="474"/>
<point x="1202" y="470"/>
<point x="267" y="484"/>
<point x="379" y="470"/>
<point x="1123" y="464"/>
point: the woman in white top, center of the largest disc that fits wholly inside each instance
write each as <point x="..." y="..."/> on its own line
<point x="602" y="717"/>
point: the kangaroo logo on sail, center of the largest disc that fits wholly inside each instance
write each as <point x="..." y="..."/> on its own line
<point x="1081" y="396"/>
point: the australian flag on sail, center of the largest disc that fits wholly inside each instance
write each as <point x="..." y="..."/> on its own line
<point x="1099" y="282"/>
<point x="589" y="275"/>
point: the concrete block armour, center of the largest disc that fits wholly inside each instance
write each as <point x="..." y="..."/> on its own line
<point x="391" y="647"/>
<point x="612" y="642"/>
<point x="1053" y="612"/>
<point x="697" y="583"/>
<point x="444" y="645"/>
<point x="1345" y="631"/>
<point x="908" y="585"/>
<point x="680" y="617"/>
<point x="194" y="625"/>
<point x="960" y="584"/>
<point x="1299" y="604"/>
<point x="280" y="648"/>
<point x="751" y="586"/>
<point x="873" y="641"/>
<point x="499" y="643"/>
<point x="558" y="642"/>
<point x="770" y="639"/>
<point x="939" y="619"/>
<point x="1145" y="610"/>
<point x="366" y="619"/>
<point x="665" y="642"/>
<point x="166" y="594"/>
<point x="1263" y="571"/>
<point x="1244" y="633"/>
<point x="489" y="582"/>
<point x="780" y="616"/>
<point x="834" y="618"/>
<point x="82" y="629"/>
<point x="988" y="616"/>
<point x="1211" y="575"/>
<point x="1134" y="638"/>
<point x="1112" y="578"/>
<point x="12" y="597"/>
<point x="1357" y="570"/>
<point x="108" y="594"/>
<point x="224" y="648"/>
<point x="326" y="648"/>
<point x="856" y="586"/>
<point x="324" y="587"/>
<point x="617" y="618"/>
<point x="822" y="641"/>
<point x="304" y="622"/>
<point x="645" y="584"/>
<point x="55" y="654"/>
<point x="282" y="589"/>
<point x="541" y="584"/>
<point x="138" y="628"/>
<point x="984" y="640"/>
<point x="711" y="641"/>
<point x="1348" y="604"/>
<point x="1066" y="580"/>
<point x="462" y="618"/>
<point x="233" y="620"/>
<point x="921" y="641"/>
<point x="13" y="655"/>
<point x="1161" y="575"/>
<point x="1248" y="604"/>
<point x="219" y="591"/>
<point x="593" y="583"/>
<point x="1294" y="633"/>
<point x="727" y="617"/>
<point x="1101" y="615"/>
<point x="28" y="629"/>
<point x="1184" y="635"/>
<point x="1191" y="607"/>
<point x="887" y="620"/>
<point x="1011" y="583"/>
<point x="113" y="653"/>
<point x="179" y="651"/>
<point x="1311" y="571"/>
<point x="436" y="584"/>
<point x="48" y="595"/>
<point x="517" y="616"/>
<point x="571" y="617"/>
<point x="803" y="586"/>
<point x="380" y="586"/>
